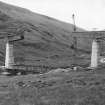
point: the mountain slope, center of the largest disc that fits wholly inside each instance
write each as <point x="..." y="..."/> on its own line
<point x="47" y="41"/>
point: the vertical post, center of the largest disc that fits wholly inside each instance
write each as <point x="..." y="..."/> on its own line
<point x="74" y="40"/>
<point x="74" y="29"/>
<point x="75" y="45"/>
<point x="9" y="58"/>
<point x="73" y="17"/>
<point x="94" y="54"/>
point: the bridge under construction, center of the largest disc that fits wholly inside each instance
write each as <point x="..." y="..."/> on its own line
<point x="95" y="36"/>
<point x="10" y="39"/>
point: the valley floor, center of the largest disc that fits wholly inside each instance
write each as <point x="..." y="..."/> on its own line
<point x="58" y="87"/>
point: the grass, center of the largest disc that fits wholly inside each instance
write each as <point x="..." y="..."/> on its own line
<point x="62" y="88"/>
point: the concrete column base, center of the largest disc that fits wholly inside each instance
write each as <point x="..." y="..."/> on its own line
<point x="9" y="57"/>
<point x="94" y="54"/>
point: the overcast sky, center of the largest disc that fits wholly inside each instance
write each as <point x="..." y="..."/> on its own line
<point x="89" y="14"/>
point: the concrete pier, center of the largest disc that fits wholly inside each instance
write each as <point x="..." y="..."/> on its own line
<point x="94" y="54"/>
<point x="9" y="57"/>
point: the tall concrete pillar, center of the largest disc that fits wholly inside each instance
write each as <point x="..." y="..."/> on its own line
<point x="9" y="58"/>
<point x="94" y="54"/>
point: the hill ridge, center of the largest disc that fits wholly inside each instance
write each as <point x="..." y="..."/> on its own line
<point x="47" y="42"/>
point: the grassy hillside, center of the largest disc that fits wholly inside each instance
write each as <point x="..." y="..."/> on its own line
<point x="47" y="42"/>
